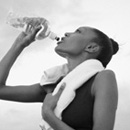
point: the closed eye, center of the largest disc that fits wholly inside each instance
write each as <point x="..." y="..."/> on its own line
<point x="78" y="31"/>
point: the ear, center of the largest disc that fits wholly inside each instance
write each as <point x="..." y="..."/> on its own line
<point x="92" y="47"/>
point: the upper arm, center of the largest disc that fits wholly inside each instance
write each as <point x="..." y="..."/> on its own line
<point x="30" y="93"/>
<point x="106" y="98"/>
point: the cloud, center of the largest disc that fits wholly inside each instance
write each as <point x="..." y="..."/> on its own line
<point x="19" y="116"/>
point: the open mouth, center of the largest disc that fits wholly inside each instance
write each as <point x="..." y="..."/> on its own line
<point x="61" y="40"/>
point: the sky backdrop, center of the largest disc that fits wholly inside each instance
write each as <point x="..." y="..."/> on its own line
<point x="110" y="16"/>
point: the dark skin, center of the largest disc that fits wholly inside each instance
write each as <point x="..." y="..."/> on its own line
<point x="22" y="93"/>
<point x="104" y="88"/>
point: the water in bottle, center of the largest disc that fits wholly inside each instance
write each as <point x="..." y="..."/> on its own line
<point x="21" y="23"/>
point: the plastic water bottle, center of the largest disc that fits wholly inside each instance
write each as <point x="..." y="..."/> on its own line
<point x="21" y="24"/>
<point x="45" y="31"/>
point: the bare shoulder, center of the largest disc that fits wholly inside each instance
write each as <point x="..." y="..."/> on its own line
<point x="105" y="80"/>
<point x="106" y="73"/>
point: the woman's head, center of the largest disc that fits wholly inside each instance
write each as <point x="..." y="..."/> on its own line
<point x="89" y="43"/>
<point x="108" y="46"/>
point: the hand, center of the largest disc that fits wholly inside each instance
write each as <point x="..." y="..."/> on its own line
<point x="27" y="37"/>
<point x="50" y="101"/>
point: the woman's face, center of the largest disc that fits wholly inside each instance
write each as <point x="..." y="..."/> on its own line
<point x="74" y="43"/>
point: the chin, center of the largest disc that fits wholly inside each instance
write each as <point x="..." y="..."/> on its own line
<point x="61" y="53"/>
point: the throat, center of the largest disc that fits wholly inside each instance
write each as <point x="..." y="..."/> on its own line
<point x="72" y="64"/>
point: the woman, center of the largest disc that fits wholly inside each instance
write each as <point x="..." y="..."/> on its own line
<point x="100" y="91"/>
<point x="83" y="44"/>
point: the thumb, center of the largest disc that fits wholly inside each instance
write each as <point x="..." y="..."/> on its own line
<point x="61" y="89"/>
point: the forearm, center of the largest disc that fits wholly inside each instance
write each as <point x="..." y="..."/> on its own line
<point x="7" y="62"/>
<point x="55" y="122"/>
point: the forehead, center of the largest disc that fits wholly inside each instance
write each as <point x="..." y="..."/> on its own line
<point x="85" y="29"/>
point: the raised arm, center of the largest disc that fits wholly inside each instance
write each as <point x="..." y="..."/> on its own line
<point x="32" y="93"/>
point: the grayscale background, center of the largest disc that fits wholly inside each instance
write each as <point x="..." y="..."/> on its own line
<point x="110" y="16"/>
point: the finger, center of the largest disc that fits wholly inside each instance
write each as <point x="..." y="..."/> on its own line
<point x="31" y="29"/>
<point x="61" y="90"/>
<point x="28" y="29"/>
<point x="32" y="35"/>
<point x="35" y="30"/>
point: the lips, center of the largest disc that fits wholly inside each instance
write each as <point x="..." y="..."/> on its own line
<point x="61" y="41"/>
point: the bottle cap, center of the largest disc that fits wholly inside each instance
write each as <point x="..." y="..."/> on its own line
<point x="53" y="36"/>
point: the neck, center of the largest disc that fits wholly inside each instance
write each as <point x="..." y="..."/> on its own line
<point x="74" y="62"/>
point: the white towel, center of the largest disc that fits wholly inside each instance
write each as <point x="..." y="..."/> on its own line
<point x="73" y="80"/>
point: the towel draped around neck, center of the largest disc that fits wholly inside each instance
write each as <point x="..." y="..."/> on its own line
<point x="74" y="79"/>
